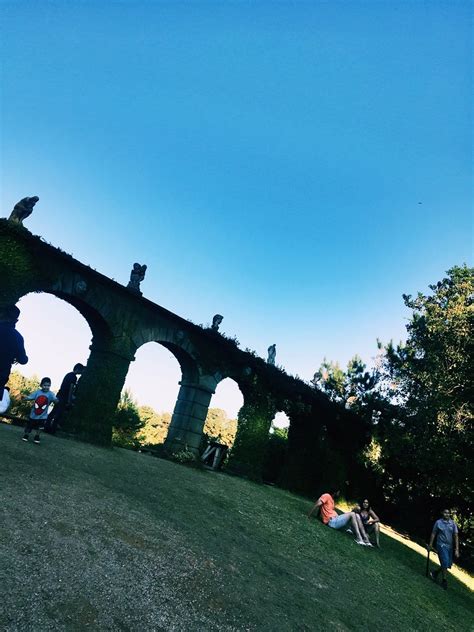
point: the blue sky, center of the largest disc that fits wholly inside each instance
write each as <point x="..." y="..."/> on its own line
<point x="293" y="166"/>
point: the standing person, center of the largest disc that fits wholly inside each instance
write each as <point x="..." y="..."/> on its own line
<point x="325" y="504"/>
<point x="445" y="530"/>
<point x="370" y="521"/>
<point x="12" y="347"/>
<point x="43" y="397"/>
<point x="66" y="398"/>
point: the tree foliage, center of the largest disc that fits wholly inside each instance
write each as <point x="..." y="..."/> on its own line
<point x="127" y="422"/>
<point x="20" y="386"/>
<point x="355" y="388"/>
<point x="429" y="444"/>
<point x="419" y="400"/>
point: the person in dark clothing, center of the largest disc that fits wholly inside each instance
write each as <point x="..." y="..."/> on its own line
<point x="65" y="396"/>
<point x="12" y="347"/>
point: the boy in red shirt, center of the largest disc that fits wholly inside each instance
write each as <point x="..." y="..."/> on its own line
<point x="329" y="516"/>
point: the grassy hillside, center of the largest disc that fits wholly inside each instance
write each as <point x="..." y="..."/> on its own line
<point x="101" y="539"/>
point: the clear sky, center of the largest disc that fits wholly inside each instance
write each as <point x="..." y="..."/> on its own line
<point x="293" y="166"/>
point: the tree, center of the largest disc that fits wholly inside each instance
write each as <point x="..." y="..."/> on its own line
<point x="419" y="400"/>
<point x="429" y="445"/>
<point x="126" y="422"/>
<point x="155" y="426"/>
<point x="356" y="388"/>
<point x="218" y="427"/>
<point x="19" y="387"/>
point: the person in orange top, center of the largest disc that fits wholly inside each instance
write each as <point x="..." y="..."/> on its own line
<point x="329" y="516"/>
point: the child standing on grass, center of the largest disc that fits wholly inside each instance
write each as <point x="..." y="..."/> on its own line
<point x="43" y="397"/>
<point x="445" y="531"/>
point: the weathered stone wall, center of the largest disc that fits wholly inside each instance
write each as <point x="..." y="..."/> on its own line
<point x="322" y="436"/>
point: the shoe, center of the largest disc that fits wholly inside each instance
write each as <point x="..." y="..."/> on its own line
<point x="434" y="576"/>
<point x="348" y="530"/>
<point x="24" y="438"/>
<point x="444" y="584"/>
<point x="361" y="542"/>
<point x="368" y="544"/>
<point x="36" y="439"/>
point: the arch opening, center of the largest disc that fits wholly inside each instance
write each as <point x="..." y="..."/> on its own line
<point x="222" y="418"/>
<point x="277" y="447"/>
<point x="57" y="337"/>
<point x="153" y="381"/>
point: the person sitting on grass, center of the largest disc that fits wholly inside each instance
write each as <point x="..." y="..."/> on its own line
<point x="445" y="530"/>
<point x="369" y="521"/>
<point x="325" y="504"/>
<point x="43" y="397"/>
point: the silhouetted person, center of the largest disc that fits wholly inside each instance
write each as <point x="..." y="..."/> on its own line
<point x="12" y="348"/>
<point x="66" y="398"/>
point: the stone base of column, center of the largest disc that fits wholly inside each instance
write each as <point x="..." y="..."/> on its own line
<point x="189" y="416"/>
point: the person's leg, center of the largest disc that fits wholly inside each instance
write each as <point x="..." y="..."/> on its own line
<point x="355" y="526"/>
<point x="445" y="559"/>
<point x="54" y="418"/>
<point x="37" y="426"/>
<point x="377" y="534"/>
<point x="28" y="427"/>
<point x="362" y="530"/>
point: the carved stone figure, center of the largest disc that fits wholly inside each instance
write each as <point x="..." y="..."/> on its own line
<point x="136" y="277"/>
<point x="216" y="321"/>
<point x="81" y="287"/>
<point x="271" y="354"/>
<point x="23" y="209"/>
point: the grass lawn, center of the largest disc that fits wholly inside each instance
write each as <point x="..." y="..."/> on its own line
<point x="97" y="539"/>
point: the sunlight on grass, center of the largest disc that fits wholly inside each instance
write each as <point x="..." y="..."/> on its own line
<point x="460" y="574"/>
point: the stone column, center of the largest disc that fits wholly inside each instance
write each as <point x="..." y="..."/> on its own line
<point x="189" y="416"/>
<point x="99" y="389"/>
<point x="311" y="461"/>
<point x="254" y="421"/>
<point x="302" y="452"/>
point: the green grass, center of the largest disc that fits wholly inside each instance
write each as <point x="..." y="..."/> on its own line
<point x="97" y="539"/>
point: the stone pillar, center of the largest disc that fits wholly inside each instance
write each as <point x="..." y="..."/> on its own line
<point x="189" y="416"/>
<point x="311" y="461"/>
<point x="302" y="453"/>
<point x="99" y="389"/>
<point x="255" y="418"/>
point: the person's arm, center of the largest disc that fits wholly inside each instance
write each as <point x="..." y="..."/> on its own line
<point x="20" y="354"/>
<point x="70" y="396"/>
<point x="315" y="507"/>
<point x="373" y="517"/>
<point x="433" y="536"/>
<point x="456" y="545"/>
<point x="30" y="397"/>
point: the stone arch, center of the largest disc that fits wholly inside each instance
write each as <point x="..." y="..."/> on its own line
<point x="97" y="324"/>
<point x="99" y="388"/>
<point x="57" y="336"/>
<point x="177" y="342"/>
<point x="197" y="385"/>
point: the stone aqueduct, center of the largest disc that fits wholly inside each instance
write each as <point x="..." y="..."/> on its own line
<point x="122" y="321"/>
